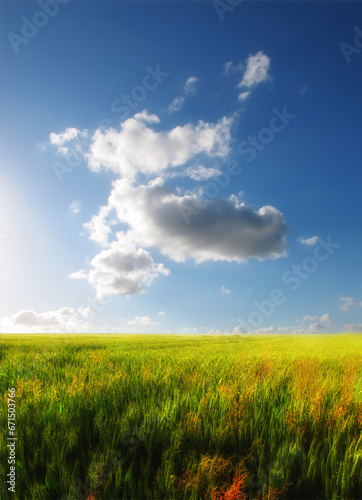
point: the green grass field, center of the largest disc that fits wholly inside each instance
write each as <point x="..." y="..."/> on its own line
<point x="184" y="417"/>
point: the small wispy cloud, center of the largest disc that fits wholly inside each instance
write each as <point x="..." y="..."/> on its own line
<point x="303" y="89"/>
<point x="353" y="327"/>
<point x="230" y="67"/>
<point x="176" y="104"/>
<point x="243" y="96"/>
<point x="348" y="302"/>
<point x="325" y="319"/>
<point x="75" y="207"/>
<point x="162" y="313"/>
<point x="201" y="173"/>
<point x="141" y="321"/>
<point x="225" y="290"/>
<point x="257" y="70"/>
<point x="68" y="135"/>
<point x="313" y="240"/>
<point x="191" y="85"/>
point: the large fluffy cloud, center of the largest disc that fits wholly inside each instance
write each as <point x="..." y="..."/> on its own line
<point x="224" y="229"/>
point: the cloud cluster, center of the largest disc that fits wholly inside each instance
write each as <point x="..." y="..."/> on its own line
<point x="142" y="213"/>
<point x="64" y="320"/>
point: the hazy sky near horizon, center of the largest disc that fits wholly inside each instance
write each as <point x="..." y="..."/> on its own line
<point x="180" y="166"/>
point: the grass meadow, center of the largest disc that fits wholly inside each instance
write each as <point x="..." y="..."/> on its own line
<point x="184" y="417"/>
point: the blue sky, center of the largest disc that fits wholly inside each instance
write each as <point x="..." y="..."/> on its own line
<point x="180" y="167"/>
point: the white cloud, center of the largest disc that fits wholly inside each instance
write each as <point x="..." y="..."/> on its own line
<point x="99" y="227"/>
<point x="230" y="67"/>
<point x="319" y="323"/>
<point x="190" y="85"/>
<point x="75" y="207"/>
<point x="326" y="318"/>
<point x="225" y="290"/>
<point x="215" y="332"/>
<point x="313" y="240"/>
<point x="257" y="70"/>
<point x="190" y="330"/>
<point x="68" y="135"/>
<point x="121" y="269"/>
<point x="240" y="329"/>
<point x="316" y="327"/>
<point x="224" y="229"/>
<point x="64" y="320"/>
<point x="146" y="117"/>
<point x="244" y="95"/>
<point x="348" y="302"/>
<point x="162" y="313"/>
<point x="141" y="321"/>
<point x="286" y="329"/>
<point x="120" y="151"/>
<point x="353" y="327"/>
<point x="201" y="173"/>
<point x="85" y="311"/>
<point x="176" y="104"/>
<point x="307" y="317"/>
